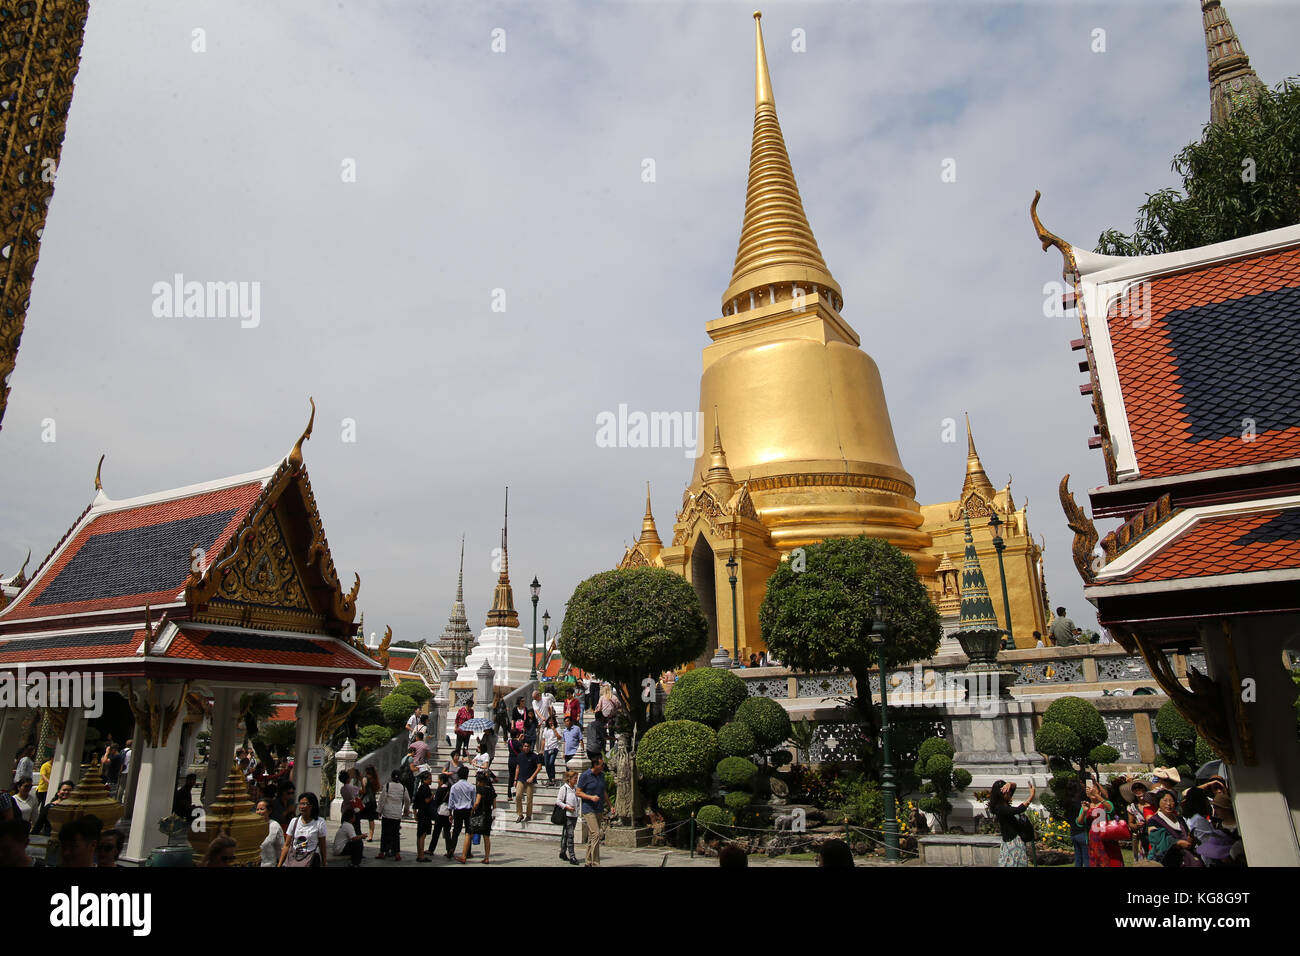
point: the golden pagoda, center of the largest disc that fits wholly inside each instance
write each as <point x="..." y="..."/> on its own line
<point x="1021" y="556"/>
<point x="803" y="448"/>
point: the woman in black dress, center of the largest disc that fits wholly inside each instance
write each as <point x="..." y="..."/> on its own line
<point x="423" y="815"/>
<point x="480" y="817"/>
<point x="1013" y="851"/>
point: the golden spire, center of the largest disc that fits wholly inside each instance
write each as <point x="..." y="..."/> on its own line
<point x="503" y="612"/>
<point x="1232" y="80"/>
<point x="649" y="534"/>
<point x="718" y="478"/>
<point x="777" y="247"/>
<point x="976" y="479"/>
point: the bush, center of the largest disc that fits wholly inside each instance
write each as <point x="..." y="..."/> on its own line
<point x="942" y="778"/>
<point x="779" y="758"/>
<point x="864" y="804"/>
<point x="396" y="708"/>
<point x="414" y="689"/>
<point x="767" y="721"/>
<point x="676" y="803"/>
<point x="676" y="750"/>
<point x="715" y="820"/>
<point x="735" y="740"/>
<point x="1079" y="716"/>
<point x="371" y="737"/>
<point x="1180" y="745"/>
<point x="737" y="773"/>
<point x="736" y="801"/>
<point x="707" y="695"/>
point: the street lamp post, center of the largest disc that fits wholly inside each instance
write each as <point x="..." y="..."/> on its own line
<point x="537" y="590"/>
<point x="735" y="628"/>
<point x="880" y="632"/>
<point x="546" y="639"/>
<point x="999" y="546"/>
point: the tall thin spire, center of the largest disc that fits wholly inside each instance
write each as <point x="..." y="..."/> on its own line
<point x="503" y="612"/>
<point x="977" y="612"/>
<point x="718" y="478"/>
<point x="777" y="248"/>
<point x="456" y="637"/>
<point x="976" y="479"/>
<point x="1232" y="80"/>
<point x="650" y="543"/>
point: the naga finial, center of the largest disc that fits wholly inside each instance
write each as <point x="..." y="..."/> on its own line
<point x="295" y="456"/>
<point x="1049" y="238"/>
<point x="99" y="484"/>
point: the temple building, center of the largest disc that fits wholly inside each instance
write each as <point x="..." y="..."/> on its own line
<point x="176" y="603"/>
<point x="1022" y="557"/>
<point x="1191" y="359"/>
<point x="803" y="448"/>
<point x="456" y="638"/>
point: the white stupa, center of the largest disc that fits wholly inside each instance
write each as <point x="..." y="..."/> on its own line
<point x="501" y="642"/>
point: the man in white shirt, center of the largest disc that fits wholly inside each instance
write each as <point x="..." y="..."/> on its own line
<point x="460" y="799"/>
<point x="543" y="707"/>
<point x="413" y="724"/>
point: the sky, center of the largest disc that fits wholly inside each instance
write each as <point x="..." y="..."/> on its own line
<point x="444" y="212"/>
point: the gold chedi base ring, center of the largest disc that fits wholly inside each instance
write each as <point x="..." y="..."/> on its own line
<point x="89" y="798"/>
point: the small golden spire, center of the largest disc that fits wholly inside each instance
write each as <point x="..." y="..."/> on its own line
<point x="976" y="479"/>
<point x="649" y="533"/>
<point x="777" y="247"/>
<point x="99" y="485"/>
<point x="295" y="456"/>
<point x="718" y="478"/>
<point x="502" y="612"/>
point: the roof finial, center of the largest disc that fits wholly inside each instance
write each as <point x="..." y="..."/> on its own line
<point x="976" y="479"/>
<point x="1233" y="82"/>
<point x="99" y="485"/>
<point x="460" y="578"/>
<point x="762" y="80"/>
<point x="295" y="456"/>
<point x="502" y="613"/>
<point x="649" y="538"/>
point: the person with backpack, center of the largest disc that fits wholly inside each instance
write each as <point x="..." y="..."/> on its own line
<point x="1011" y="823"/>
<point x="394" y="803"/>
<point x="406" y="772"/>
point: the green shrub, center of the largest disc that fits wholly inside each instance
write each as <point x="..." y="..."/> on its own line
<point x="737" y="773"/>
<point x="735" y="740"/>
<point x="767" y="721"/>
<point x="396" y="708"/>
<point x="942" y="778"/>
<point x="414" y="689"/>
<point x="1179" y="743"/>
<point x="676" y="803"/>
<point x="864" y="804"/>
<point x="676" y="750"/>
<point x="371" y="737"/>
<point x="715" y="820"/>
<point x="779" y="758"/>
<point x="736" y="801"/>
<point x="708" y="695"/>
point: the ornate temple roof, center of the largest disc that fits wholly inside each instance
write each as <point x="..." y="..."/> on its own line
<point x="977" y="481"/>
<point x="457" y="638"/>
<point x="503" y="612"/>
<point x="776" y="241"/>
<point x="1232" y="81"/>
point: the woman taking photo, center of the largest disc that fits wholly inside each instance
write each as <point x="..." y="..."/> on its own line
<point x="1010" y="822"/>
<point x="480" y="818"/>
<point x="304" y="841"/>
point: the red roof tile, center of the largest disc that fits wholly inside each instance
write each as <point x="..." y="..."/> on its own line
<point x="87" y="645"/>
<point x="193" y="643"/>
<point x="1191" y="380"/>
<point x="1232" y="544"/>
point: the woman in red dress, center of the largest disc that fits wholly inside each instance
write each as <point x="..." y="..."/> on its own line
<point x="1094" y="813"/>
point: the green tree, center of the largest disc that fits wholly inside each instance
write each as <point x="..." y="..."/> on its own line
<point x="677" y="751"/>
<point x="819" y="618"/>
<point x="767" y="720"/>
<point x="414" y="689"/>
<point x="709" y="695"/>
<point x="1074" y="736"/>
<point x="942" y="779"/>
<point x="396" y="709"/>
<point x="629" y="626"/>
<point x="1240" y="178"/>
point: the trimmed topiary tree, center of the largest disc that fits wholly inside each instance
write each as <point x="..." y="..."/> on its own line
<point x="735" y="740"/>
<point x="934" y="766"/>
<point x="414" y="689"/>
<point x="767" y="720"/>
<point x="630" y="625"/>
<point x="737" y="800"/>
<point x="371" y="737"/>
<point x="677" y="750"/>
<point x="396" y="708"/>
<point x="715" y="820"/>
<point x="737" y="773"/>
<point x="677" y="803"/>
<point x="1072" y="735"/>
<point x="709" y="695"/>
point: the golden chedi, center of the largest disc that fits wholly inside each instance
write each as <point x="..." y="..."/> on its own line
<point x="232" y="813"/>
<point x="803" y="448"/>
<point x="88" y="798"/>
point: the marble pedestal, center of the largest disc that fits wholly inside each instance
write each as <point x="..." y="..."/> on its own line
<point x="993" y="739"/>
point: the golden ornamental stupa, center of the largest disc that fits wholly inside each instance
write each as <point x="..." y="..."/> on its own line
<point x="232" y="814"/>
<point x="803" y="448"/>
